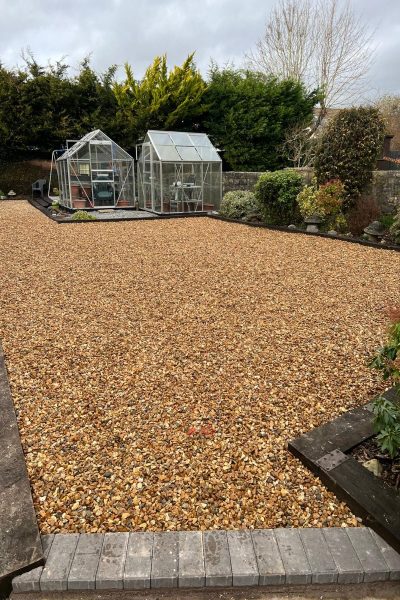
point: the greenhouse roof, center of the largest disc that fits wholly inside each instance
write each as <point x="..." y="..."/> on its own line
<point x="179" y="146"/>
<point x="96" y="137"/>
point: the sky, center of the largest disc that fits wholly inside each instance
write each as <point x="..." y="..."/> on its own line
<point x="116" y="31"/>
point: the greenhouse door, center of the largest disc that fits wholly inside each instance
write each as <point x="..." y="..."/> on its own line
<point x="146" y="177"/>
<point x="102" y="173"/>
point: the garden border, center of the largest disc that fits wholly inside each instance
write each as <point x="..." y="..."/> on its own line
<point x="20" y="543"/>
<point x="154" y="217"/>
<point x="342" y="238"/>
<point x="324" y="451"/>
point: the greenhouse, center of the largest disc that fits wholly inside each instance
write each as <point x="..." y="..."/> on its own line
<point x="95" y="172"/>
<point x="178" y="172"/>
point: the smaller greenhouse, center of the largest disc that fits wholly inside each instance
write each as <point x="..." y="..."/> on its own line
<point x="94" y="172"/>
<point x="178" y="172"/>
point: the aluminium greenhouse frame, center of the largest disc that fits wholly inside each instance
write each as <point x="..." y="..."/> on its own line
<point x="95" y="172"/>
<point x="178" y="172"/>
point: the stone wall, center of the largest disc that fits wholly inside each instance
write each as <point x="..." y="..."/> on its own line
<point x="385" y="185"/>
<point x="386" y="190"/>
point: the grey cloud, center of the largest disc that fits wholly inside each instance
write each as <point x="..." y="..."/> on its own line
<point x="116" y="31"/>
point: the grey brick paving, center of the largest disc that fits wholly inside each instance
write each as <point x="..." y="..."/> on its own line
<point x="164" y="568"/>
<point x="392" y="558"/>
<point x="349" y="567"/>
<point x="323" y="567"/>
<point x="269" y="561"/>
<point x="55" y="572"/>
<point x="371" y="558"/>
<point x="217" y="559"/>
<point x="243" y="558"/>
<point x="30" y="581"/>
<point x="82" y="575"/>
<point x="191" y="560"/>
<point x="110" y="572"/>
<point x="138" y="561"/>
<point x="293" y="556"/>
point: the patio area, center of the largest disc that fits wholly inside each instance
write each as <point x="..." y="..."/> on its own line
<point x="160" y="367"/>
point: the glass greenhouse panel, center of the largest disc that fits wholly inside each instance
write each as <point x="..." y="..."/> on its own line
<point x="178" y="172"/>
<point x="96" y="172"/>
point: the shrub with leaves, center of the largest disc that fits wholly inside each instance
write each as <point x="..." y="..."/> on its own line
<point x="395" y="228"/>
<point x="325" y="201"/>
<point x="83" y="215"/>
<point x="276" y="194"/>
<point x="387" y="412"/>
<point x="238" y="204"/>
<point x="348" y="149"/>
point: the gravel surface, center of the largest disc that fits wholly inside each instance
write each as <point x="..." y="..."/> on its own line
<point x="160" y="367"/>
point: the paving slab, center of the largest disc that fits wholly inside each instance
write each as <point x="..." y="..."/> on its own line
<point x="294" y="558"/>
<point x="371" y="558"/>
<point x="191" y="570"/>
<point x="110" y="572"/>
<point x="392" y="558"/>
<point x="54" y="576"/>
<point x="20" y="542"/>
<point x="243" y="558"/>
<point x="323" y="567"/>
<point x="269" y="561"/>
<point x="348" y="564"/>
<point x="164" y="568"/>
<point x="30" y="581"/>
<point x="217" y="559"/>
<point x="139" y="555"/>
<point x="82" y="575"/>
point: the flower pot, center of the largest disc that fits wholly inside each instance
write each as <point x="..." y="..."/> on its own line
<point x="79" y="203"/>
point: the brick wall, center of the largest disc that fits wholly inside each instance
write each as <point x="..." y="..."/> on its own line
<point x="385" y="185"/>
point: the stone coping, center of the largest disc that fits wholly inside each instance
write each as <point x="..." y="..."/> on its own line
<point x="210" y="559"/>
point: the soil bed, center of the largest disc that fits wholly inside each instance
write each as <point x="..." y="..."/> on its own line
<point x="369" y="450"/>
<point x="159" y="367"/>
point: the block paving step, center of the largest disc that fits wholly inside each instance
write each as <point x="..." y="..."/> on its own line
<point x="210" y="559"/>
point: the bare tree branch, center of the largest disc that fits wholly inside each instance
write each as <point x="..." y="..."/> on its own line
<point x="321" y="43"/>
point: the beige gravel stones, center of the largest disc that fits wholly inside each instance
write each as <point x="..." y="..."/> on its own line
<point x="160" y="367"/>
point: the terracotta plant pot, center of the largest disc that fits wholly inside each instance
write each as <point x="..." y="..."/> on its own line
<point x="79" y="203"/>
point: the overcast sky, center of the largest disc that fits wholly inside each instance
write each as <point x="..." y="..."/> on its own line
<point x="115" y="31"/>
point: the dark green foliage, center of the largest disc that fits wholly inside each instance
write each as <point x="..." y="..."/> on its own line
<point x="348" y="149"/>
<point x="41" y="107"/>
<point x="249" y="114"/>
<point x="387" y="412"/>
<point x="276" y="194"/>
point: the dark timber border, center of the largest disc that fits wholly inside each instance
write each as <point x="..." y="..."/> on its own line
<point x="323" y="451"/>
<point x="20" y="543"/>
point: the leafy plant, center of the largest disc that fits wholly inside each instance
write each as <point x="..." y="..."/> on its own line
<point x="162" y="99"/>
<point x="248" y="115"/>
<point x="83" y="215"/>
<point x="387" y="412"/>
<point x="348" y="148"/>
<point x="307" y="200"/>
<point x="238" y="204"/>
<point x="395" y="228"/>
<point x="276" y="194"/>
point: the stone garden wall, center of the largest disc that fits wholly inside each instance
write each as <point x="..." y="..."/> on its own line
<point x="385" y="186"/>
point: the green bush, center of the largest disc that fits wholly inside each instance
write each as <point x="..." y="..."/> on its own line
<point x="395" y="228"/>
<point x="83" y="215"/>
<point x="348" y="148"/>
<point x="276" y="194"/>
<point x="387" y="412"/>
<point x="238" y="204"/>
